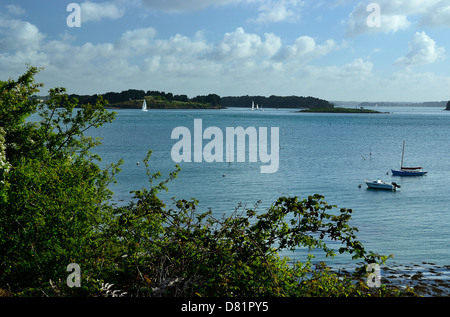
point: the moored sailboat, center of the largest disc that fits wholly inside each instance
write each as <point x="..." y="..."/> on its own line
<point x="408" y="171"/>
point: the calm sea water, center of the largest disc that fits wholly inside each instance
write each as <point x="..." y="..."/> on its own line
<point x="328" y="154"/>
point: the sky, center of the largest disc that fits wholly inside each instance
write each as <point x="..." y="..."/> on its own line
<point x="338" y="50"/>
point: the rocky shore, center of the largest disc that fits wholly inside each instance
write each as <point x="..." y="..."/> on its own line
<point x="426" y="279"/>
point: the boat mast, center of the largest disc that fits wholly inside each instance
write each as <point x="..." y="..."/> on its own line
<point x="403" y="152"/>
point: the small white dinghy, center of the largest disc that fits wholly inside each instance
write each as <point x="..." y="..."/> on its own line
<point x="144" y="105"/>
<point x="379" y="184"/>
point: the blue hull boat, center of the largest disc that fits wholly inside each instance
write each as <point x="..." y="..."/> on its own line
<point x="409" y="172"/>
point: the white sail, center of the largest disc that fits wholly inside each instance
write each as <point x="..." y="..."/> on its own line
<point x="257" y="106"/>
<point x="144" y="106"/>
<point x="253" y="105"/>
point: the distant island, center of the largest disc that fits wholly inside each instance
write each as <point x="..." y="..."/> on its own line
<point x="403" y="104"/>
<point x="277" y="102"/>
<point x="133" y="99"/>
<point x="156" y="102"/>
<point x="372" y="104"/>
<point x="340" y="110"/>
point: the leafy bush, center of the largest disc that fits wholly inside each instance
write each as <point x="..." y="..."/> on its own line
<point x="54" y="195"/>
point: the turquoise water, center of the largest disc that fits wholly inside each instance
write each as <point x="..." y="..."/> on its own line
<point x="328" y="154"/>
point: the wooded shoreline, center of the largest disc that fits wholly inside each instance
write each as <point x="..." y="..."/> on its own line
<point x="132" y="99"/>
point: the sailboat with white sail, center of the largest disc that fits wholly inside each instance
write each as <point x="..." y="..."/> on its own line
<point x="257" y="106"/>
<point x="144" y="105"/>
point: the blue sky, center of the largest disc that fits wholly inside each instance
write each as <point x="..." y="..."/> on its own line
<point x="325" y="49"/>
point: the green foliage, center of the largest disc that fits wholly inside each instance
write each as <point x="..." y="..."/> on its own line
<point x="325" y="283"/>
<point x="129" y="98"/>
<point x="53" y="194"/>
<point x="55" y="210"/>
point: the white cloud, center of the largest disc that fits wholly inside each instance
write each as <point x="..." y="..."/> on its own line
<point x="391" y="20"/>
<point x="136" y="42"/>
<point x="20" y="44"/>
<point x="357" y="69"/>
<point x="239" y="45"/>
<point x="398" y="15"/>
<point x="426" y="86"/>
<point x="91" y="11"/>
<point x="279" y="11"/>
<point x="305" y="48"/>
<point x="139" y="57"/>
<point x="16" y="34"/>
<point x="336" y="82"/>
<point x="422" y="51"/>
<point x="268" y="10"/>
<point x="438" y="16"/>
<point x="184" y="5"/>
<point x="349" y="72"/>
<point x="15" y="9"/>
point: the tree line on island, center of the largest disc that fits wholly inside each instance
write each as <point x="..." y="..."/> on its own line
<point x="276" y="102"/>
<point x="132" y="98"/>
